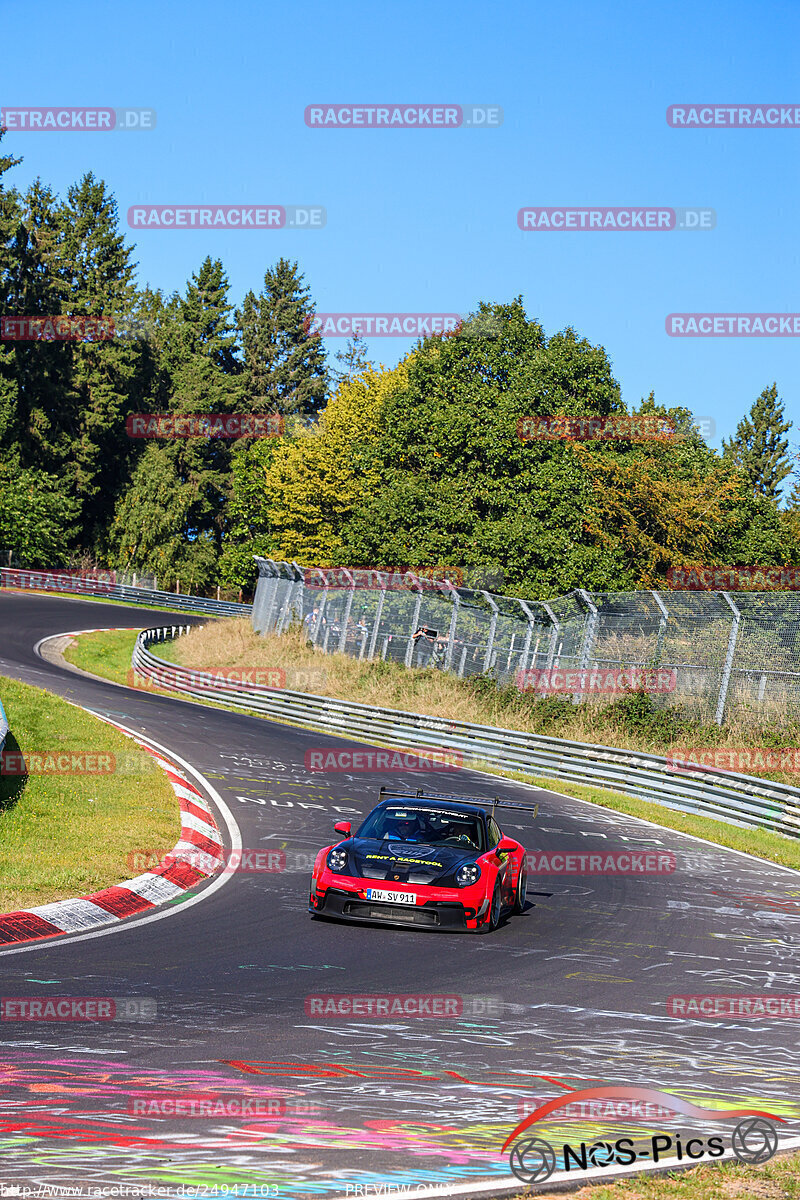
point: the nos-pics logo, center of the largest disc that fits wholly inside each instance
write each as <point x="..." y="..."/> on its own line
<point x="533" y="1160"/>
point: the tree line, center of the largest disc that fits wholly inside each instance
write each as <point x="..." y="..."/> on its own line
<point x="418" y="465"/>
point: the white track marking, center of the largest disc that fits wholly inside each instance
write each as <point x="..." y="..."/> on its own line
<point x="173" y="910"/>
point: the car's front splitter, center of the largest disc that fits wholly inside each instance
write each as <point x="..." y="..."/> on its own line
<point x="438" y="915"/>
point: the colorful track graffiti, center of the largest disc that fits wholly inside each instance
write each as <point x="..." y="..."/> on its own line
<point x="68" y="1120"/>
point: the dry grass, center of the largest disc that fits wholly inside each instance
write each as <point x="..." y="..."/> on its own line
<point x="233" y="645"/>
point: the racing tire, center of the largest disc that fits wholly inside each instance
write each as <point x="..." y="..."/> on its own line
<point x="519" y="894"/>
<point x="493" y="916"/>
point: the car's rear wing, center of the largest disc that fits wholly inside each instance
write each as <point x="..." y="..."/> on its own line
<point x="479" y="801"/>
<point x="499" y="803"/>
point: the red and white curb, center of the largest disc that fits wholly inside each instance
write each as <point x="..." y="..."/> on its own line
<point x="196" y="856"/>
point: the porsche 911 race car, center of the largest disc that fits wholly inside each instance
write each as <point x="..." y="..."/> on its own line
<point x="426" y="860"/>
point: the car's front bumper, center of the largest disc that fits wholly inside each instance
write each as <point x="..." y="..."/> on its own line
<point x="431" y="914"/>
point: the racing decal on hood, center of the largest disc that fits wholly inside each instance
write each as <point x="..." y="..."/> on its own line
<point x="419" y="862"/>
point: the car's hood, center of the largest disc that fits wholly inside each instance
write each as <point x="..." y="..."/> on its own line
<point x="405" y="862"/>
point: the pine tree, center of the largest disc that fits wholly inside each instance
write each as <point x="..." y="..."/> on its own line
<point x="44" y="426"/>
<point x="10" y="219"/>
<point x="759" y="447"/>
<point x="285" y="368"/>
<point x="149" y="530"/>
<point x="171" y="518"/>
<point x="93" y="264"/>
<point x="354" y="359"/>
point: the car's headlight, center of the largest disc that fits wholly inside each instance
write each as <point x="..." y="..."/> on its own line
<point x="466" y="876"/>
<point x="337" y="860"/>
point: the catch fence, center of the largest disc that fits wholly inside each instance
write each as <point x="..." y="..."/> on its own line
<point x="715" y="652"/>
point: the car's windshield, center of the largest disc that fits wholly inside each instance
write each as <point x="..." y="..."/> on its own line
<point x="432" y="826"/>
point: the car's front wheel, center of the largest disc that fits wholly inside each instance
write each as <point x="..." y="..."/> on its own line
<point x="521" y="889"/>
<point x="493" y="915"/>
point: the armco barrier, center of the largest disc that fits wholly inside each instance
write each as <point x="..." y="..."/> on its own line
<point x="66" y="581"/>
<point x="726" y="796"/>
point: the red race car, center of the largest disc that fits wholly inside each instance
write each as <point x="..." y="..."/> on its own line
<point x="431" y="861"/>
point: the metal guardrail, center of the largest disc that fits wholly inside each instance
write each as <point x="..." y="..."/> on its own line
<point x="74" y="583"/>
<point x="711" y="651"/>
<point x="725" y="796"/>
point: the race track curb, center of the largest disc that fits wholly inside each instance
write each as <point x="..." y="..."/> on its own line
<point x="196" y="856"/>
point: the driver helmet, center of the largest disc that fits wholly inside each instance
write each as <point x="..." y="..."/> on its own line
<point x="402" y="829"/>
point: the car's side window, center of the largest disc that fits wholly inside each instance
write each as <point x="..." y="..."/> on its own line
<point x="494" y="832"/>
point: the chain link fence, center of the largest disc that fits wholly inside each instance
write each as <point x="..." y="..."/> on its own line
<point x="715" y="652"/>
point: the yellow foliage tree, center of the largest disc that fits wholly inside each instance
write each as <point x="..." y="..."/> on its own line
<point x="315" y="479"/>
<point x="659" y="517"/>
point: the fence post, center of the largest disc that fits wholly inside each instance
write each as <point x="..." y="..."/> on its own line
<point x="487" y="658"/>
<point x="662" y="627"/>
<point x="379" y="613"/>
<point x="528" y="635"/>
<point x="283" y="591"/>
<point x="415" y="619"/>
<point x="260" y="597"/>
<point x="321" y="614"/>
<point x="588" y="637"/>
<point x="719" y="716"/>
<point x="285" y="615"/>
<point x="296" y="596"/>
<point x="347" y="610"/>
<point x="266" y="593"/>
<point x="451" y="636"/>
<point x="551" y="653"/>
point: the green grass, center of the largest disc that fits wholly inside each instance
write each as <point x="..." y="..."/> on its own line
<point x="65" y="835"/>
<point x="778" y="1179"/>
<point x="761" y="842"/>
<point x="107" y="654"/>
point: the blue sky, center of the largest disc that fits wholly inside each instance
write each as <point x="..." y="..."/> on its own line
<point x="425" y="221"/>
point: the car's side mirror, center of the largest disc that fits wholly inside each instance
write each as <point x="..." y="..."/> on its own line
<point x="505" y="846"/>
<point x="342" y="827"/>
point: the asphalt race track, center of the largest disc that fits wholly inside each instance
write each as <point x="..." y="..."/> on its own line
<point x="572" y="992"/>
